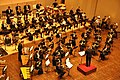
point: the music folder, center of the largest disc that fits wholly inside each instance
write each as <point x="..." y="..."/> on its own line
<point x="69" y="65"/>
<point x="31" y="48"/>
<point x="31" y="68"/>
<point x="82" y="53"/>
<point x="31" y="55"/>
<point x="66" y="54"/>
<point x="46" y="56"/>
<point x="47" y="62"/>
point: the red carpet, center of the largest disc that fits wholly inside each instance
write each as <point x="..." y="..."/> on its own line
<point x="86" y="70"/>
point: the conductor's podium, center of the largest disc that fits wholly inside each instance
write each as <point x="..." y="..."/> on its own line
<point x="25" y="73"/>
<point x="86" y="70"/>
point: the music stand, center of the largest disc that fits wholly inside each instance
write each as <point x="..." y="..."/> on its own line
<point x="69" y="66"/>
<point x="82" y="53"/>
<point x="67" y="54"/>
<point x="75" y="50"/>
<point x="47" y="63"/>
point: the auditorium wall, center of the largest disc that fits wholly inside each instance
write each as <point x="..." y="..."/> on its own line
<point x="103" y="8"/>
<point x="12" y="3"/>
<point x="109" y="7"/>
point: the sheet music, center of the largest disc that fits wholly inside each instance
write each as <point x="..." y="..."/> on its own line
<point x="66" y="54"/>
<point x="46" y="56"/>
<point x="31" y="48"/>
<point x="47" y="62"/>
<point x="82" y="53"/>
<point x="31" y="69"/>
<point x="69" y="65"/>
<point x="67" y="60"/>
<point x="31" y="56"/>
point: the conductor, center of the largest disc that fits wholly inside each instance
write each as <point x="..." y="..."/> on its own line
<point x="88" y="53"/>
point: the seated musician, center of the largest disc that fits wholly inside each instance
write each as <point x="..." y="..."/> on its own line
<point x="74" y="36"/>
<point x="38" y="66"/>
<point x="60" y="70"/>
<point x="4" y="26"/>
<point x="7" y="40"/>
<point x="104" y="52"/>
<point x="98" y="38"/>
<point x="95" y="45"/>
<point x="30" y="36"/>
<point x="13" y="25"/>
<point x="109" y="41"/>
<point x="89" y="30"/>
<point x="63" y="40"/>
<point x="83" y="18"/>
<point x="82" y="44"/>
<point x="85" y="35"/>
<point x="73" y="42"/>
<point x="105" y="22"/>
<point x="106" y="49"/>
<point x="38" y="6"/>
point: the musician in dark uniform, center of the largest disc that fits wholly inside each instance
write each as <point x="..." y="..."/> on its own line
<point x="88" y="53"/>
<point x="38" y="66"/>
<point x="55" y="4"/>
<point x="26" y="10"/>
<point x="20" y="46"/>
<point x="8" y="14"/>
<point x="9" y="11"/>
<point x="18" y="10"/>
<point x="4" y="26"/>
<point x="60" y="70"/>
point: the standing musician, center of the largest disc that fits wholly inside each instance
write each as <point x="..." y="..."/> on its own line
<point x="18" y="10"/>
<point x="8" y="14"/>
<point x="26" y="10"/>
<point x="55" y="4"/>
<point x="9" y="11"/>
<point x="20" y="47"/>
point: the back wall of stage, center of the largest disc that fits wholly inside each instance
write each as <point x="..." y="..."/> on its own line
<point x="91" y="7"/>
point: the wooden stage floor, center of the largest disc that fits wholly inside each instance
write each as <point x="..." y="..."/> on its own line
<point x="106" y="70"/>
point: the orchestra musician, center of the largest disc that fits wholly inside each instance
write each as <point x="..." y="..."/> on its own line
<point x="18" y="10"/>
<point x="8" y="14"/>
<point x="20" y="47"/>
<point x="104" y="52"/>
<point x="60" y="70"/>
<point x="38" y="66"/>
<point x="4" y="26"/>
<point x="26" y="10"/>
<point x="55" y="4"/>
<point x="82" y="44"/>
<point x="7" y="39"/>
<point x="95" y="45"/>
<point x="9" y="11"/>
<point x="13" y="25"/>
